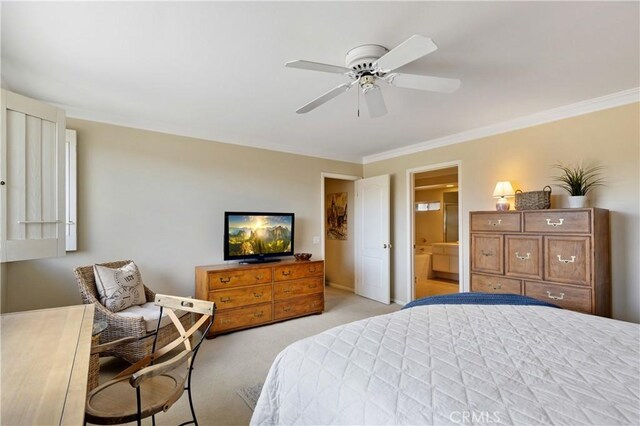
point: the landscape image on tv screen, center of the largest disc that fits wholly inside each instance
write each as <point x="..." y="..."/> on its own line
<point x="259" y="235"/>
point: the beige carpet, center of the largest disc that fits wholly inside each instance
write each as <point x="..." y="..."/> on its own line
<point x="237" y="360"/>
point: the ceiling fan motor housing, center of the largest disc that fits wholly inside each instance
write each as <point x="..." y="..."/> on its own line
<point x="362" y="58"/>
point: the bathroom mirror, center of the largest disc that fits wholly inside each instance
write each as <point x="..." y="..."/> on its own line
<point x="450" y="217"/>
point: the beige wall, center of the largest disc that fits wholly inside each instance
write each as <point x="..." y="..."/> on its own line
<point x="524" y="157"/>
<point x="160" y="199"/>
<point x="339" y="260"/>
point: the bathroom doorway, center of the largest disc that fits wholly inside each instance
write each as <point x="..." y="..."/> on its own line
<point x="434" y="227"/>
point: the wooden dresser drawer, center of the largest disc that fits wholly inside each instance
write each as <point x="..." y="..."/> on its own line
<point x="240" y="296"/>
<point x="574" y="298"/>
<point x="295" y="271"/>
<point x="486" y="253"/>
<point x="495" y="222"/>
<point x="299" y="306"/>
<point x="553" y="222"/>
<point x="242" y="317"/>
<point x="288" y="289"/>
<point x="568" y="259"/>
<point x="523" y="256"/>
<point x="238" y="277"/>
<point x="493" y="284"/>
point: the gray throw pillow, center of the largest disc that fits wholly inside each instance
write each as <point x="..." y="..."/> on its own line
<point x="119" y="288"/>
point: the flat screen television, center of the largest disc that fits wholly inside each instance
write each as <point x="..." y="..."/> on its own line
<point x="254" y="237"/>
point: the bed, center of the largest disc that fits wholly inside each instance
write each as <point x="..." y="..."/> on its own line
<point x="450" y="363"/>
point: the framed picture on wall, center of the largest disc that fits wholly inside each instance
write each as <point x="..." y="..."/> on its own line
<point x="336" y="220"/>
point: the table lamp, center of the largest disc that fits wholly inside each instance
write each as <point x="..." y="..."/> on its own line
<point x="503" y="190"/>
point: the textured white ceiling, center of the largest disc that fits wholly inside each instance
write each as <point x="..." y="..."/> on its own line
<point x="216" y="70"/>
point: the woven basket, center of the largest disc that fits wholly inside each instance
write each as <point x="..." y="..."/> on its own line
<point x="533" y="200"/>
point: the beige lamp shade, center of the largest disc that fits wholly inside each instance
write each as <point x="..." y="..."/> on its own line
<point x="503" y="189"/>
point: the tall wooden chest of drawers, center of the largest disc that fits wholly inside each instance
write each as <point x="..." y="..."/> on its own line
<point x="559" y="256"/>
<point x="252" y="295"/>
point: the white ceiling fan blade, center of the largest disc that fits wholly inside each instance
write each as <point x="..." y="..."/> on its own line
<point x="424" y="82"/>
<point x="413" y="48"/>
<point x="324" y="98"/>
<point x="317" y="66"/>
<point x="375" y="102"/>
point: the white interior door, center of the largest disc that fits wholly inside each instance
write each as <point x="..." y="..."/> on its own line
<point x="373" y="244"/>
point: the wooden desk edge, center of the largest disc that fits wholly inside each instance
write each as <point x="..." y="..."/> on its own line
<point x="75" y="401"/>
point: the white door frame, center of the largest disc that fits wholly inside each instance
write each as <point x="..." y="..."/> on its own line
<point x="323" y="176"/>
<point x="411" y="221"/>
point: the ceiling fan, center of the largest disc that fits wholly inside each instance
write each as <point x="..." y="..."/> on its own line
<point x="368" y="64"/>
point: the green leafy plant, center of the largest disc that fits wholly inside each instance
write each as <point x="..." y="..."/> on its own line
<point x="579" y="180"/>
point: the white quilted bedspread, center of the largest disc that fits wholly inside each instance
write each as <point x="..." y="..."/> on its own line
<point x="460" y="364"/>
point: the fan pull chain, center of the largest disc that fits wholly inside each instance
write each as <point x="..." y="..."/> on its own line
<point x="358" y="102"/>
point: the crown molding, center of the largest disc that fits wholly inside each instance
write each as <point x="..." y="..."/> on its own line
<point x="177" y="130"/>
<point x="579" y="108"/>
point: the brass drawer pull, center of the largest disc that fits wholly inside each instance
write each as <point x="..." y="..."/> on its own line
<point x="312" y="270"/>
<point x="527" y="257"/>
<point x="286" y="290"/>
<point x="257" y="295"/>
<point x="554" y="224"/>
<point x="225" y="280"/>
<point x="287" y="309"/>
<point x="496" y="223"/>
<point x="312" y="286"/>
<point x="496" y="287"/>
<point x="573" y="259"/>
<point x="486" y="253"/>
<point x="226" y="321"/>
<point x="551" y="296"/>
<point x="259" y="277"/>
<point x="258" y="314"/>
<point x="287" y="272"/>
<point x="225" y="299"/>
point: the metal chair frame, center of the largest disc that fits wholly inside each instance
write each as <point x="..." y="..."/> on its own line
<point x="171" y="303"/>
<point x="194" y="353"/>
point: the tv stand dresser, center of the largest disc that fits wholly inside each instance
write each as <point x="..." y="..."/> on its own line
<point x="257" y="294"/>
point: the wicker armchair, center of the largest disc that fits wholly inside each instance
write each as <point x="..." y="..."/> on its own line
<point x="118" y="326"/>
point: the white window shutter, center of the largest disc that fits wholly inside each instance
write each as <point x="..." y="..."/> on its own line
<point x="71" y="227"/>
<point x="32" y="179"/>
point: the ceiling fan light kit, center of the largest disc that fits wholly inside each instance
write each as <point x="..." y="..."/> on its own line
<point x="370" y="63"/>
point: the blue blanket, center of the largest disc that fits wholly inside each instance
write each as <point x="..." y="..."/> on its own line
<point x="478" y="299"/>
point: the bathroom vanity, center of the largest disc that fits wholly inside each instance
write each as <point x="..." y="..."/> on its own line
<point x="445" y="260"/>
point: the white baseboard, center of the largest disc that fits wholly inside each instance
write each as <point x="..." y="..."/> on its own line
<point x="338" y="286"/>
<point x="399" y="302"/>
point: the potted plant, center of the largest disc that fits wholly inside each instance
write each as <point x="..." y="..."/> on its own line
<point x="578" y="181"/>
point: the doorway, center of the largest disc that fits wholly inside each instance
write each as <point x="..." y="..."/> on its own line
<point x="355" y="229"/>
<point x="338" y="240"/>
<point x="434" y="196"/>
